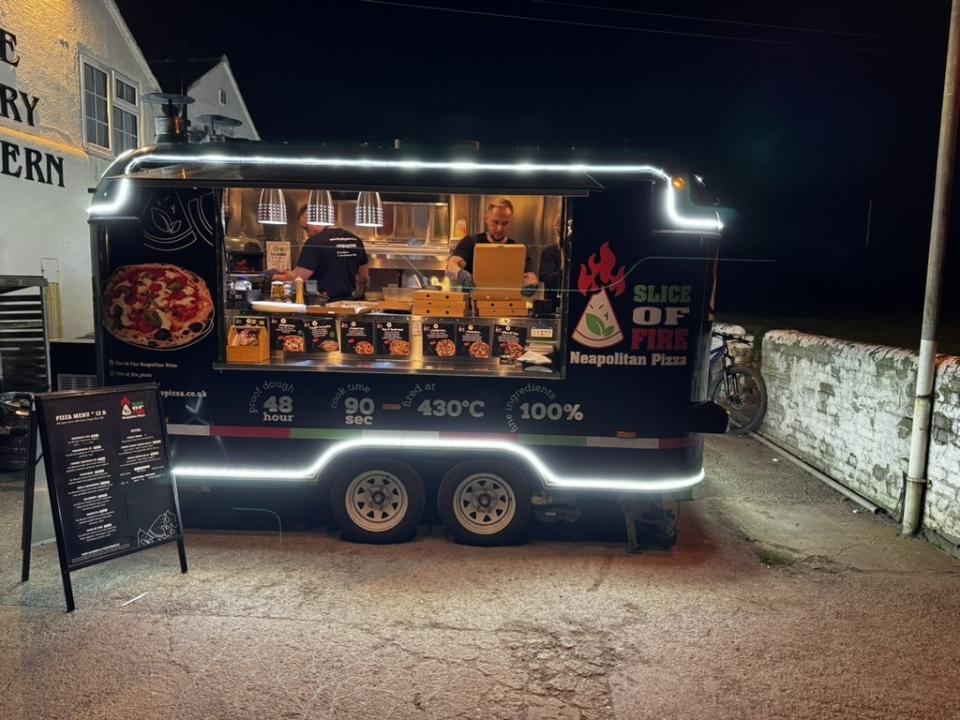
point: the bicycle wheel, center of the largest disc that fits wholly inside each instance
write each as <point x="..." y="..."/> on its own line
<point x="742" y="393"/>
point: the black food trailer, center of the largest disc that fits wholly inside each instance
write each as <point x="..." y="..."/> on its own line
<point x="526" y="398"/>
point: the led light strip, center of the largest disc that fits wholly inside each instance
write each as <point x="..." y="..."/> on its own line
<point x="113" y="206"/>
<point x="405" y="441"/>
<point x="704" y="223"/>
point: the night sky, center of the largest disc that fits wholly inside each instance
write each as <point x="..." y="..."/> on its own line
<point x="797" y="130"/>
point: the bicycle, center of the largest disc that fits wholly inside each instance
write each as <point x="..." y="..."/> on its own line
<point x="738" y="390"/>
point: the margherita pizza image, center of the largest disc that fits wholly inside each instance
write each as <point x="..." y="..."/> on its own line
<point x="156" y="305"/>
<point x="479" y="349"/>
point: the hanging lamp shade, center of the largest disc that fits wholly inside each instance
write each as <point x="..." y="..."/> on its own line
<point x="272" y="208"/>
<point x="320" y="210"/>
<point x="369" y="209"/>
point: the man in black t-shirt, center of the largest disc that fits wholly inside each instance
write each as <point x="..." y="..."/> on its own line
<point x="497" y="219"/>
<point x="332" y="256"/>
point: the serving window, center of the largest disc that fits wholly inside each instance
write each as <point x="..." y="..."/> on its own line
<point x="410" y="312"/>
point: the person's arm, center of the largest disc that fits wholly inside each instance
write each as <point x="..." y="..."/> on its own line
<point x="298" y="271"/>
<point x="307" y="264"/>
<point x="363" y="279"/>
<point x="458" y="258"/>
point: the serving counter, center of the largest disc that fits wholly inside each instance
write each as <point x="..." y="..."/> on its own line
<point x="393" y="342"/>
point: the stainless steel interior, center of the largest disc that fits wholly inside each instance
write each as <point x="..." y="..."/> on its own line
<point x="417" y="236"/>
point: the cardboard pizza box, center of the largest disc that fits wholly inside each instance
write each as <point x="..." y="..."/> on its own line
<point x="498" y="268"/>
<point x="439" y="296"/>
<point x="441" y="309"/>
<point x="482" y="294"/>
<point x="501" y="312"/>
<point x="396" y="305"/>
<point x="502" y="304"/>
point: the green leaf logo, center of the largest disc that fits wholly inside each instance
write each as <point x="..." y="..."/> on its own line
<point x="597" y="327"/>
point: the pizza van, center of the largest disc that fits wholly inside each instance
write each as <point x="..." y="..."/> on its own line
<point x="493" y="402"/>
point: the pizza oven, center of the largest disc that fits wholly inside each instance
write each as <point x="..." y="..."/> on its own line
<point x="244" y="256"/>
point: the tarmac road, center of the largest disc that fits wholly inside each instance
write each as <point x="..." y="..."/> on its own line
<point x="780" y="600"/>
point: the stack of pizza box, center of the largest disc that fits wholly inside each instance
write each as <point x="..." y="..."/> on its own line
<point x="498" y="274"/>
<point x="440" y="303"/>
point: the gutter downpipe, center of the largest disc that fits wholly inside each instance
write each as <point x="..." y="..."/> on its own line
<point x="926" y="370"/>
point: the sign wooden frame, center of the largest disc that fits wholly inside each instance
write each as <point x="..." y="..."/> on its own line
<point x="40" y="432"/>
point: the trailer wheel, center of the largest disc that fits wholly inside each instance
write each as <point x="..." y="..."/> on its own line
<point x="485" y="502"/>
<point x="377" y="502"/>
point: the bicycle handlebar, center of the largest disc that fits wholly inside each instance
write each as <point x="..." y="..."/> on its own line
<point x="728" y="337"/>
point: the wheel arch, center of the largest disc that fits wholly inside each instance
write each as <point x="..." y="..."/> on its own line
<point x="414" y="456"/>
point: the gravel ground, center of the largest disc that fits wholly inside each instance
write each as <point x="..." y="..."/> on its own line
<point x="780" y="600"/>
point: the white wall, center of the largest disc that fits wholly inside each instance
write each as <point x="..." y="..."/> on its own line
<point x="42" y="220"/>
<point x="847" y="408"/>
<point x="206" y="93"/>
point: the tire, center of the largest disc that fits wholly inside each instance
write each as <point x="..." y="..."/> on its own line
<point x="743" y="396"/>
<point x="485" y="502"/>
<point x="377" y="501"/>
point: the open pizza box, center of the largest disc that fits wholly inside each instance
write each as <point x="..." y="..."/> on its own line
<point x="498" y="271"/>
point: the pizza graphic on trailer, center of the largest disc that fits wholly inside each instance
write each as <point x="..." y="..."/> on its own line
<point x="598" y="326"/>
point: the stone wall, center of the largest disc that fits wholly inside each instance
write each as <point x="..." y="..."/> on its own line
<point x="846" y="409"/>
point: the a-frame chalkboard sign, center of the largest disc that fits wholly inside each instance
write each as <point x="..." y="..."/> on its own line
<point x="108" y="472"/>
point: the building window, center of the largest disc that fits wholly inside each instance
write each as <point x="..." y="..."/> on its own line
<point x="223" y="96"/>
<point x="95" y="104"/>
<point x="111" y="114"/>
<point x="126" y="116"/>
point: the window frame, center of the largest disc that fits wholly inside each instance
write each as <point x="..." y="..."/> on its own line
<point x="125" y="106"/>
<point x="90" y="144"/>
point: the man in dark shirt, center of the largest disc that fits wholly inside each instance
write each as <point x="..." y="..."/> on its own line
<point x="497" y="220"/>
<point x="551" y="259"/>
<point x="332" y="256"/>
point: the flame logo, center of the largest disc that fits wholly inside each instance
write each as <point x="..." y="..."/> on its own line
<point x="601" y="267"/>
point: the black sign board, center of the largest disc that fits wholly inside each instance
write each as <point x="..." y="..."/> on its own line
<point x="108" y="472"/>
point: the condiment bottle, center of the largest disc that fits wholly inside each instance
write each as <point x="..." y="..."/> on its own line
<point x="298" y="281"/>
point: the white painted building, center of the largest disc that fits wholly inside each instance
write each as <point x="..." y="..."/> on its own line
<point x="71" y="82"/>
<point x="71" y="78"/>
<point x="214" y="89"/>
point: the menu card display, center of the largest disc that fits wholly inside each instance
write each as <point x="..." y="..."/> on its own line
<point x="439" y="339"/>
<point x="108" y="467"/>
<point x="322" y="335"/>
<point x="509" y="341"/>
<point x="473" y="340"/>
<point x="287" y="335"/>
<point x="393" y="338"/>
<point x="356" y="337"/>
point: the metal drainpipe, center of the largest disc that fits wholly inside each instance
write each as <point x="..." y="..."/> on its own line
<point x="926" y="371"/>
